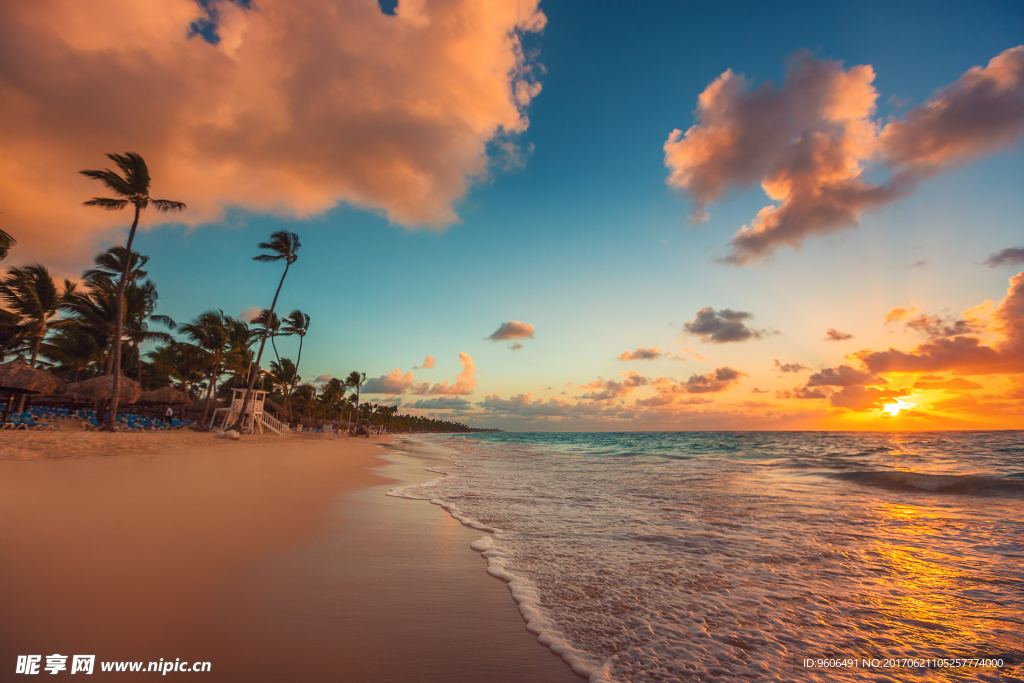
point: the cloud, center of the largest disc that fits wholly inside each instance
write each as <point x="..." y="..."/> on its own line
<point x="790" y="367"/>
<point x="809" y="143"/>
<point x="246" y="314"/>
<point x="899" y="313"/>
<point x="605" y="390"/>
<point x="939" y="326"/>
<point x="965" y="354"/>
<point x="515" y="346"/>
<point x="392" y="383"/>
<point x="641" y="353"/>
<point x="955" y="384"/>
<point x="323" y="379"/>
<point x="755" y="390"/>
<point x="843" y="376"/>
<point x="835" y="335"/>
<point x="464" y="385"/>
<point x="442" y="403"/>
<point x="804" y="393"/>
<point x="1013" y="256"/>
<point x="670" y="393"/>
<point x="300" y="105"/>
<point x="722" y="326"/>
<point x="861" y="398"/>
<point x="513" y="329"/>
<point x="523" y="405"/>
<point x="428" y="363"/>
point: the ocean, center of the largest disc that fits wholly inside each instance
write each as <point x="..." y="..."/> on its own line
<point x="751" y="556"/>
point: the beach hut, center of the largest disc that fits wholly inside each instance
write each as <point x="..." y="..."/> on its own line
<point x="18" y="378"/>
<point x="102" y="388"/>
<point x="164" y="396"/>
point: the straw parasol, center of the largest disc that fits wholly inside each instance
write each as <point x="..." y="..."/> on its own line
<point x="19" y="376"/>
<point x="163" y="395"/>
<point x="101" y="388"/>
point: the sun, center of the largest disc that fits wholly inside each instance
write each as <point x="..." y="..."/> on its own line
<point x="893" y="409"/>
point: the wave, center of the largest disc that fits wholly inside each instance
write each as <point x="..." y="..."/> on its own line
<point x="523" y="591"/>
<point x="936" y="483"/>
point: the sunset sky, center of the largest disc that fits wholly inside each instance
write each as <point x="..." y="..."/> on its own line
<point x="571" y="216"/>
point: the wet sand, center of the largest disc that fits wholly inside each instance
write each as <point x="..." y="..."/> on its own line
<point x="273" y="559"/>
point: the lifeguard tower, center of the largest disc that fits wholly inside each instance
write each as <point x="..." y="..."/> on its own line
<point x="255" y="418"/>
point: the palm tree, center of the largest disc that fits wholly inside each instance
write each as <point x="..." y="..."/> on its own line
<point x="295" y="323"/>
<point x="355" y="379"/>
<point x="211" y="331"/>
<point x="283" y="375"/>
<point x="33" y="298"/>
<point x="133" y="190"/>
<point x="283" y="246"/>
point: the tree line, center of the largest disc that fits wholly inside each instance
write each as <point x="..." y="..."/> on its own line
<point x="99" y="326"/>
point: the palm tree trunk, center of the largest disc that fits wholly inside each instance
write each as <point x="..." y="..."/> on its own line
<point x="288" y="398"/>
<point x="119" y="328"/>
<point x="32" y="363"/>
<point x="209" y="395"/>
<point x="259" y="356"/>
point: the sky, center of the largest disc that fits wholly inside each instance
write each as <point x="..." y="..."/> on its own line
<point x="561" y="216"/>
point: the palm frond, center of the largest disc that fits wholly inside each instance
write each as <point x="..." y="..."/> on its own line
<point x="108" y="204"/>
<point x="167" y="205"/>
<point x="136" y="173"/>
<point x="164" y="320"/>
<point x="267" y="258"/>
<point x="6" y="242"/>
<point x="112" y="180"/>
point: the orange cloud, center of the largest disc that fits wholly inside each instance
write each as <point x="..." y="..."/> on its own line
<point x="963" y="354"/>
<point x="809" y="142"/>
<point x="835" y="335"/>
<point x="672" y="393"/>
<point x="641" y="353"/>
<point x="428" y="363"/>
<point x="464" y="385"/>
<point x="392" y="383"/>
<point x="301" y="105"/>
<point x="606" y="390"/>
<point x="513" y="329"/>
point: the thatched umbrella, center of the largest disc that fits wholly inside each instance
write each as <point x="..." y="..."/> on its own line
<point x="17" y="374"/>
<point x="101" y="388"/>
<point x="163" y="395"/>
<point x="18" y="377"/>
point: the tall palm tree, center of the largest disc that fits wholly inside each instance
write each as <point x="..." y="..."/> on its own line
<point x="356" y="379"/>
<point x="283" y="246"/>
<point x="295" y="323"/>
<point x="132" y="189"/>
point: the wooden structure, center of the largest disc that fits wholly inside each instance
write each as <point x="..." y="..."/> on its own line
<point x="255" y="417"/>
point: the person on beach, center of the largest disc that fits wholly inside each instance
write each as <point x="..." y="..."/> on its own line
<point x="169" y="414"/>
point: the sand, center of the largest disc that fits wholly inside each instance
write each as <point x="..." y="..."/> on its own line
<point x="272" y="558"/>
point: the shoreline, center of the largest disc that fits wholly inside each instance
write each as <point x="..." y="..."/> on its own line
<point x="274" y="559"/>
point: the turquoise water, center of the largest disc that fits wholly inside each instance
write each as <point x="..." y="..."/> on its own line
<point x="736" y="556"/>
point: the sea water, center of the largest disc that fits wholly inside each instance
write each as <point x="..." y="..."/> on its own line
<point x="740" y="556"/>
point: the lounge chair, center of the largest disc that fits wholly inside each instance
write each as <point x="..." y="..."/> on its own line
<point x="26" y="419"/>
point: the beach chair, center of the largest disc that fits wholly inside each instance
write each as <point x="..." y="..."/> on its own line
<point x="91" y="423"/>
<point x="13" y="422"/>
<point x="26" y="419"/>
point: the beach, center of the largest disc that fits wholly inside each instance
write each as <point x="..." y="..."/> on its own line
<point x="271" y="558"/>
